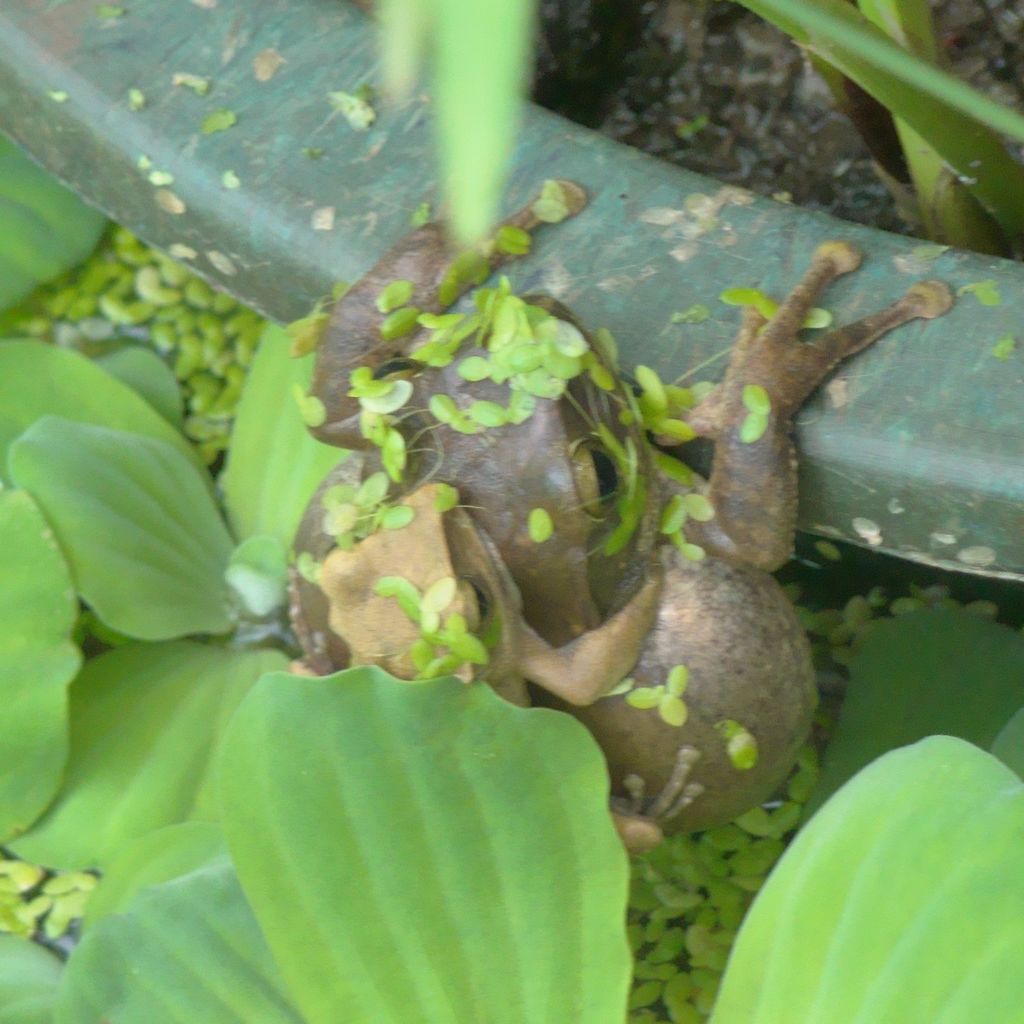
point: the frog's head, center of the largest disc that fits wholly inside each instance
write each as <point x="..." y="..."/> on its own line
<point x="402" y="577"/>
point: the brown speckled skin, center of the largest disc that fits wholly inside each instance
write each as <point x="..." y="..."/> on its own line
<point x="586" y="619"/>
<point x="749" y="661"/>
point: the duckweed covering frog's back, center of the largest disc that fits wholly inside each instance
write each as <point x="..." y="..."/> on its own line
<point x="528" y="527"/>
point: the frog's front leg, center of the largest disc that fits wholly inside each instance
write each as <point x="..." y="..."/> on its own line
<point x="753" y="487"/>
<point x="359" y="333"/>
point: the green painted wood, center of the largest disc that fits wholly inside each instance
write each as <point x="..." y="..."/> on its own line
<point x="916" y="447"/>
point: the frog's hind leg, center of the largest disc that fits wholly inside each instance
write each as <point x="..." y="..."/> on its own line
<point x="771" y="373"/>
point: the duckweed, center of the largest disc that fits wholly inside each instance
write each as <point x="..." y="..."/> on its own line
<point x="128" y="293"/>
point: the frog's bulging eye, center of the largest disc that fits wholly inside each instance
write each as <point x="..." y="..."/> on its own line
<point x="597" y="479"/>
<point x="395" y="367"/>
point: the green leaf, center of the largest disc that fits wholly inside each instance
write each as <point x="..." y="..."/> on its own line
<point x="47" y="228"/>
<point x="141" y="533"/>
<point x="397" y="517"/>
<point x="439" y="595"/>
<point x="539" y="525"/>
<point x="949" y="114"/>
<point x="37" y="661"/>
<point x="552" y="205"/>
<point x="274" y="465"/>
<point x="258" y="574"/>
<point x="218" y="121"/>
<point x="145" y="722"/>
<point x="481" y="52"/>
<point x="151" y="859"/>
<point x="698" y="507"/>
<point x="394" y="295"/>
<point x="673" y="515"/>
<point x="898" y="902"/>
<point x="941" y="671"/>
<point x="29" y="976"/>
<point x="753" y="427"/>
<point x="512" y="240"/>
<point x="463" y="884"/>
<point x="487" y="414"/>
<point x="149" y="376"/>
<point x="187" y="950"/>
<point x="355" y="108"/>
<point x="986" y="292"/>
<point x="403" y="591"/>
<point x="399" y="323"/>
<point x="447" y="497"/>
<point x="1008" y="746"/>
<point x="756" y="400"/>
<point x="474" y="368"/>
<point x="38" y="380"/>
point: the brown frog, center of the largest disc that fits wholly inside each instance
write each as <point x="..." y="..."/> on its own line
<point x="529" y="531"/>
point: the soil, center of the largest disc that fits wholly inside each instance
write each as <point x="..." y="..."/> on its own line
<point x="710" y="86"/>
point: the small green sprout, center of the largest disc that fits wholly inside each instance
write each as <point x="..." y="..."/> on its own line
<point x="420" y="216"/>
<point x="661" y="407"/>
<point x="552" y="205"/>
<point x="695" y="314"/>
<point x="356" y="107"/>
<point x="308" y="567"/>
<point x="828" y="550"/>
<point x="673" y="515"/>
<point x="687" y="129"/>
<point x="383" y="396"/>
<point x="927" y="253"/>
<point x="986" y="292"/>
<point x="230" y="180"/>
<point x="740" y="744"/>
<point x="353" y="513"/>
<point x="759" y="407"/>
<point x="218" y="121"/>
<point x="673" y="469"/>
<point x="667" y="698"/>
<point x="161" y="178"/>
<point x="109" y="12"/>
<point x="136" y="99"/>
<point x="199" y="85"/>
<point x="539" y="525"/>
<point x="311" y="409"/>
<point x="445" y="645"/>
<point x="512" y="240"/>
<point x="468" y="268"/>
<point x="768" y="307"/>
<point x="305" y="333"/>
<point x="394" y="296"/>
<point x="399" y="323"/>
<point x="1004" y="347"/>
<point x="58" y="95"/>
<point x="313" y="152"/>
<point x="446" y="498"/>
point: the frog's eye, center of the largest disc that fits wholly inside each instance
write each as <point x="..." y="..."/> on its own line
<point x="597" y="479"/>
<point x="397" y="367"/>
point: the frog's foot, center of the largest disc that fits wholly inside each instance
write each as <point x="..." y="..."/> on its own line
<point x="637" y="817"/>
<point x="771" y="374"/>
<point x="638" y="834"/>
<point x="769" y="353"/>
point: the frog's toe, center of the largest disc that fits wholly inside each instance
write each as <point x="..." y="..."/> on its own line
<point x="638" y="834"/>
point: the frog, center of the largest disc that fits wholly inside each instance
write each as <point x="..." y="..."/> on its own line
<point x="539" y="491"/>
